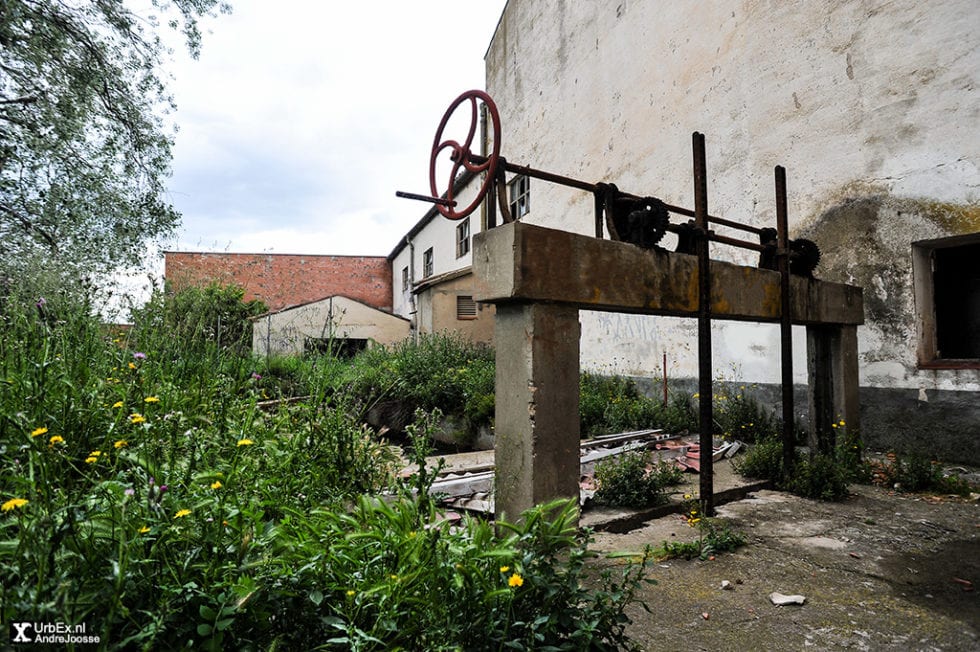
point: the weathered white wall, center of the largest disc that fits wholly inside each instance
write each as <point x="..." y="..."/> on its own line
<point x="284" y="332"/>
<point x="440" y="234"/>
<point x="859" y="100"/>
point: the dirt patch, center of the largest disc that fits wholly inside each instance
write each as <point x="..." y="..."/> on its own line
<point x="881" y="571"/>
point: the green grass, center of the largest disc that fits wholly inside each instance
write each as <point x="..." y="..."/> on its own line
<point x="147" y="493"/>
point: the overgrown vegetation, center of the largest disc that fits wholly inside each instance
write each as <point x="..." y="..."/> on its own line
<point x="633" y="479"/>
<point x="609" y="404"/>
<point x="826" y="476"/>
<point x="146" y="494"/>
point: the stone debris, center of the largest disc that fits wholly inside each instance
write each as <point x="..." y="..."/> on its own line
<point x="780" y="600"/>
<point x="727" y="586"/>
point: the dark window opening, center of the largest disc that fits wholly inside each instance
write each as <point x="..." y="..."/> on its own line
<point x="463" y="238"/>
<point x="427" y="264"/>
<point x="946" y="276"/>
<point x="342" y="348"/>
<point x="956" y="288"/>
<point x="404" y="279"/>
<point x="520" y="197"/>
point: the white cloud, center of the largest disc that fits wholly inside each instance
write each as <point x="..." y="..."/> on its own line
<point x="301" y="119"/>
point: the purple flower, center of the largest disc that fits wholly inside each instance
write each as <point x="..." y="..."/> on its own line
<point x="139" y="355"/>
<point x="152" y="481"/>
<point x="41" y="302"/>
<point x="163" y="488"/>
<point x="256" y="376"/>
<point x="130" y="492"/>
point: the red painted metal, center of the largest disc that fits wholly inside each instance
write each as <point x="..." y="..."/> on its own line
<point x="462" y="156"/>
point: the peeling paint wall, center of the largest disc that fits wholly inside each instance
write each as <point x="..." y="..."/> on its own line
<point x="871" y="106"/>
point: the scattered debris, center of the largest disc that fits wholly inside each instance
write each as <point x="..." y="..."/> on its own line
<point x="780" y="600"/>
<point x="967" y="584"/>
<point x="705" y="615"/>
<point x="727" y="586"/>
<point x="855" y="555"/>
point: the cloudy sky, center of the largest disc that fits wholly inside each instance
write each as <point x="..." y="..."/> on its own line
<point x="302" y="118"/>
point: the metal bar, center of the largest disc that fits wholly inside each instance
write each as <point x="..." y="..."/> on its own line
<point x="714" y="237"/>
<point x="706" y="416"/>
<point x="426" y="198"/>
<point x="591" y="187"/>
<point x="786" y="318"/>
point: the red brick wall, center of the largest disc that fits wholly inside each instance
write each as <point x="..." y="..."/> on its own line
<point x="281" y="280"/>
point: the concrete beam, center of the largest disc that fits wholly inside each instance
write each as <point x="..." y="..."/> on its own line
<point x="523" y="262"/>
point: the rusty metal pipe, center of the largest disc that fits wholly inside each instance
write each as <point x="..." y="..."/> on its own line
<point x="534" y="173"/>
<point x="785" y="319"/>
<point x="705" y="412"/>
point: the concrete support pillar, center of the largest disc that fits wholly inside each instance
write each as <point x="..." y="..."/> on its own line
<point x="832" y="365"/>
<point x="537" y="405"/>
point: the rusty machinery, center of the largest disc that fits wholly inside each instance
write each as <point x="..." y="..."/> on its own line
<point x="641" y="221"/>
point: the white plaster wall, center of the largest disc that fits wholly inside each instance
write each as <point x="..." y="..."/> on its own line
<point x="852" y="97"/>
<point x="401" y="300"/>
<point x="284" y="332"/>
<point x="440" y="234"/>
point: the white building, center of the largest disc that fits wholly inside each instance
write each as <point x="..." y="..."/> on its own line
<point x="336" y="324"/>
<point x="873" y="109"/>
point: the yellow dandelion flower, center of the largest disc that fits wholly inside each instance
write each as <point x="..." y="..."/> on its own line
<point x="37" y="432"/>
<point x="351" y="593"/>
<point x="245" y="442"/>
<point x="151" y="399"/>
<point x="132" y="365"/>
<point x="117" y="404"/>
<point x="144" y="529"/>
<point x="394" y="577"/>
<point x="504" y="569"/>
<point x="136" y="417"/>
<point x="56" y="439"/>
<point x="13" y="504"/>
<point x="91" y="459"/>
<point x="833" y="425"/>
<point x="842" y="422"/>
<point x="216" y="484"/>
<point x="181" y="513"/>
<point x="515" y="580"/>
<point x="95" y="453"/>
<point x="122" y="443"/>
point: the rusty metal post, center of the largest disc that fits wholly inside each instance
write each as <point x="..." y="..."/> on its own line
<point x="705" y="413"/>
<point x="785" y="319"/>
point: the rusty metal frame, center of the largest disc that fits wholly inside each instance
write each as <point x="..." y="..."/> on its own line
<point x="495" y="167"/>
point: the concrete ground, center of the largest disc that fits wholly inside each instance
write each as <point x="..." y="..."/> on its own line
<point x="881" y="571"/>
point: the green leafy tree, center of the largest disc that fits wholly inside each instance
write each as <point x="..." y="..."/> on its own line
<point x="84" y="147"/>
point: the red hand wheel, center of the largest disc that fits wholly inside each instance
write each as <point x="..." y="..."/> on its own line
<point x="462" y="157"/>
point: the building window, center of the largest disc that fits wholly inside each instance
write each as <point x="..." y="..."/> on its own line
<point x="463" y="238"/>
<point x="465" y="307"/>
<point x="520" y="196"/>
<point x="427" y="263"/>
<point x="404" y="279"/>
<point x="947" y="300"/>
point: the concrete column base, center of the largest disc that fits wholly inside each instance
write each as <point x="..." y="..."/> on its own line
<point x="832" y="366"/>
<point x="537" y="405"/>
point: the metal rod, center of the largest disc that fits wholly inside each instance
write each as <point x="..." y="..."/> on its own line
<point x="426" y="198"/>
<point x="785" y="320"/>
<point x="714" y="237"/>
<point x="705" y="412"/>
<point x="591" y="187"/>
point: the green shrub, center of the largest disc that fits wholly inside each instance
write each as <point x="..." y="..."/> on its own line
<point x="634" y="480"/>
<point x="915" y="473"/>
<point x="738" y="415"/>
<point x="822" y="477"/>
<point x="763" y="460"/>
